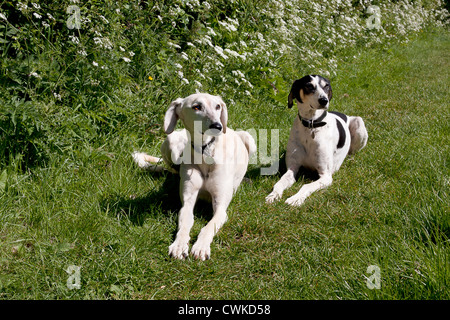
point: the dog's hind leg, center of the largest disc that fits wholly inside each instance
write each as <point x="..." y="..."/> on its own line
<point x="306" y="190"/>
<point x="358" y="134"/>
<point x="147" y="162"/>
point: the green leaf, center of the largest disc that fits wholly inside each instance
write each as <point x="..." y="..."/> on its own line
<point x="3" y="178"/>
<point x="64" y="247"/>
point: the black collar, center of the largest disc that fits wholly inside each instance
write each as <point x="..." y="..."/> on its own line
<point x="204" y="146"/>
<point x="314" y="123"/>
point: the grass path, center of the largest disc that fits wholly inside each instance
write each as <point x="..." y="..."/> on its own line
<point x="388" y="206"/>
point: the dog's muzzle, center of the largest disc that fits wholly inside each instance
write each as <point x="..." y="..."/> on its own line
<point x="215" y="129"/>
<point x="323" y="102"/>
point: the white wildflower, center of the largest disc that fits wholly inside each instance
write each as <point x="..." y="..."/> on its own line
<point x="185" y="80"/>
<point x="184" y="56"/>
<point x="104" y="19"/>
<point x="37" y="15"/>
<point x="82" y="52"/>
<point x="57" y="96"/>
<point x="219" y="51"/>
<point x="50" y="17"/>
<point x="197" y="83"/>
<point x="131" y="53"/>
<point x="35" y="74"/>
<point x="74" y="39"/>
<point x="121" y="49"/>
<point x="3" y="16"/>
<point x="173" y="45"/>
<point x="95" y="64"/>
<point x="211" y="31"/>
<point x="36" y="5"/>
<point x="179" y="66"/>
<point x="238" y="73"/>
<point x="126" y="59"/>
<point x="22" y="6"/>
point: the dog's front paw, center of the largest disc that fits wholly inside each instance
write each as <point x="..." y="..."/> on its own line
<point x="179" y="250"/>
<point x="295" y="201"/>
<point x="272" y="197"/>
<point x="201" y="250"/>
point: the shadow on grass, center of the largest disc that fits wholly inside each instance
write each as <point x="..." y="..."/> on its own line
<point x="163" y="201"/>
<point x="303" y="173"/>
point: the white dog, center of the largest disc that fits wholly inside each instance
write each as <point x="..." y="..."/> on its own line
<point x="211" y="160"/>
<point x="319" y="140"/>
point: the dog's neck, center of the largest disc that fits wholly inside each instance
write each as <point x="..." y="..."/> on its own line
<point x="311" y="118"/>
<point x="207" y="142"/>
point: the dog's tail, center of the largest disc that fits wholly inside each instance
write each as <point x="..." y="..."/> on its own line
<point x="358" y="134"/>
<point x="248" y="140"/>
<point x="147" y="162"/>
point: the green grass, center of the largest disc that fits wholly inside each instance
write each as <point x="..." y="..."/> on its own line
<point x="388" y="206"/>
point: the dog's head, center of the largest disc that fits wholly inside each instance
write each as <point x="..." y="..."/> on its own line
<point x="312" y="90"/>
<point x="200" y="113"/>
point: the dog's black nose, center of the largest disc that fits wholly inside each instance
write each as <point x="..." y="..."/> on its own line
<point x="216" y="126"/>
<point x="323" y="101"/>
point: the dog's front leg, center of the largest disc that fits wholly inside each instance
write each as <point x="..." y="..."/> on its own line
<point x="202" y="247"/>
<point x="286" y="181"/>
<point x="191" y="182"/>
<point x="306" y="190"/>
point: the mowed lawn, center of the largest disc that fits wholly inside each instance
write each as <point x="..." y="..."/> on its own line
<point x="388" y="207"/>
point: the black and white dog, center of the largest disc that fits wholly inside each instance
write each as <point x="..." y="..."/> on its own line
<point x="319" y="140"/>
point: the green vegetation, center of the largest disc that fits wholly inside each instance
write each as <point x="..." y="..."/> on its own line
<point x="74" y="104"/>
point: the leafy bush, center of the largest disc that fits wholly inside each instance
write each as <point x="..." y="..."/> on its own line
<point x="78" y="72"/>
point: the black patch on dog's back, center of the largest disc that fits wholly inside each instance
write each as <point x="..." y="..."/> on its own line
<point x="341" y="130"/>
<point x="343" y="116"/>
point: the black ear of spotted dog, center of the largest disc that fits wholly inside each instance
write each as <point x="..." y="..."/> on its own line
<point x="295" y="90"/>
<point x="300" y="84"/>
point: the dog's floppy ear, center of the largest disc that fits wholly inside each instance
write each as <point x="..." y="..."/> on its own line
<point x="294" y="94"/>
<point x="224" y="116"/>
<point x="171" y="117"/>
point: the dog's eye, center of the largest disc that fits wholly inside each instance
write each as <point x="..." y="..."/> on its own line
<point x="218" y="107"/>
<point x="197" y="107"/>
<point x="309" y="87"/>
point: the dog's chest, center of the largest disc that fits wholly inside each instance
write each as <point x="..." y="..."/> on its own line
<point x="311" y="139"/>
<point x="314" y="145"/>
